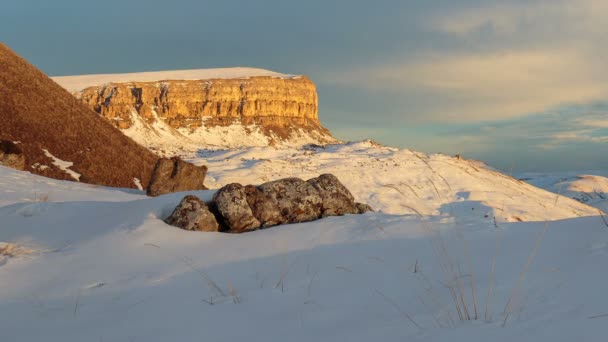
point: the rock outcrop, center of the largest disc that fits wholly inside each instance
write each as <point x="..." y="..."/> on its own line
<point x="11" y="155"/>
<point x="337" y="200"/>
<point x="231" y="203"/>
<point x="278" y="106"/>
<point x="175" y="175"/>
<point x="193" y="214"/>
<point x="241" y="208"/>
<point x="297" y="200"/>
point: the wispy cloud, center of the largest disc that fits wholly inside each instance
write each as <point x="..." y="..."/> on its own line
<point x="543" y="132"/>
<point x="593" y="123"/>
<point x="524" y="58"/>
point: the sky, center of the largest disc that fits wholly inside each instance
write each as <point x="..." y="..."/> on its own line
<point x="522" y="85"/>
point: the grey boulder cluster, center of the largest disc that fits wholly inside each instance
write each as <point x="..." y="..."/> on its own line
<point x="236" y="208"/>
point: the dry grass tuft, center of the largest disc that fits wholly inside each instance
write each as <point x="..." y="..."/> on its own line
<point x="40" y="197"/>
<point x="12" y="250"/>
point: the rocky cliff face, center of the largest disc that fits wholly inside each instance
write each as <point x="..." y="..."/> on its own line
<point x="279" y="107"/>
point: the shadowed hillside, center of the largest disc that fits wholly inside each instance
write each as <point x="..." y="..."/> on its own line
<point x="61" y="137"/>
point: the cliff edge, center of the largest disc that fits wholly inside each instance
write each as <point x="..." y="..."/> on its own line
<point x="222" y="107"/>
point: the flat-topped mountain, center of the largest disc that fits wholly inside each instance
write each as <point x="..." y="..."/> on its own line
<point x="225" y="107"/>
<point x="59" y="136"/>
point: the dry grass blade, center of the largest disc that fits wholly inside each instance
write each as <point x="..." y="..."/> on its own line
<point x="522" y="274"/>
<point x="394" y="187"/>
<point x="40" y="197"/>
<point x="309" y="288"/>
<point x="235" y="296"/>
<point x="433" y="170"/>
<point x="76" y="303"/>
<point x="603" y="216"/>
<point x="212" y="284"/>
<point x="434" y="186"/>
<point x="471" y="278"/>
<point x="281" y="281"/>
<point x="487" y="314"/>
<point x="398" y="308"/>
<point x="598" y="316"/>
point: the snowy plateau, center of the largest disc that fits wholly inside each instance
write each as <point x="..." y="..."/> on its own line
<point x="454" y="251"/>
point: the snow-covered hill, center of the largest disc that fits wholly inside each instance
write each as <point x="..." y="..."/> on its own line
<point x="591" y="189"/>
<point x="396" y="181"/>
<point x="80" y="262"/>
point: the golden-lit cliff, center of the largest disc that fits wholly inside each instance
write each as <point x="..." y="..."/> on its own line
<point x="279" y="104"/>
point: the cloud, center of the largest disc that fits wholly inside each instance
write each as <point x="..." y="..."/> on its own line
<point x="577" y="136"/>
<point x="544" y="132"/>
<point x="557" y="20"/>
<point x="510" y="18"/>
<point x="524" y="58"/>
<point x="595" y="123"/>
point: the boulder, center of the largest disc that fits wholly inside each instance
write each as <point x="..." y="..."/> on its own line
<point x="231" y="204"/>
<point x="296" y="200"/>
<point x="264" y="207"/>
<point x="175" y="175"/>
<point x="11" y="155"/>
<point x="362" y="208"/>
<point x="241" y="208"/>
<point x="193" y="214"/>
<point x="337" y="200"/>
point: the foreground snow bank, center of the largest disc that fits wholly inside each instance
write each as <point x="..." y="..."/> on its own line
<point x="113" y="271"/>
<point x="18" y="186"/>
<point x="100" y="264"/>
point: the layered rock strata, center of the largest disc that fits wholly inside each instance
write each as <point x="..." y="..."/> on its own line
<point x="277" y="105"/>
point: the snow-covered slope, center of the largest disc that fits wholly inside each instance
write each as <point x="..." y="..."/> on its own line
<point x="590" y="189"/>
<point x="99" y="264"/>
<point x="79" y="82"/>
<point x="167" y="141"/>
<point x="24" y="187"/>
<point x="396" y="181"/>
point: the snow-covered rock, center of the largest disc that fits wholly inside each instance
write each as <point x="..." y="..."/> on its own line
<point x="193" y="214"/>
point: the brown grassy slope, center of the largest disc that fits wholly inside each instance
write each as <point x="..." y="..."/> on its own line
<point x="40" y="114"/>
